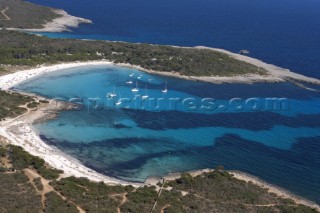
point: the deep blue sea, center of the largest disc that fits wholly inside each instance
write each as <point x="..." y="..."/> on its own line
<point x="282" y="32"/>
<point x="136" y="139"/>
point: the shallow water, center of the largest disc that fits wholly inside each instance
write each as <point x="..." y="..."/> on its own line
<point x="138" y="140"/>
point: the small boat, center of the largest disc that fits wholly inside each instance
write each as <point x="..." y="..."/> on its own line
<point x="119" y="100"/>
<point x="136" y="89"/>
<point x="112" y="94"/>
<point x="165" y="90"/>
<point x="131" y="75"/>
<point x="139" y="77"/>
<point x="244" y="52"/>
<point x="145" y="96"/>
<point x="129" y="82"/>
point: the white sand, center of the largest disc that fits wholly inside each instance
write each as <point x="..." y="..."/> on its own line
<point x="59" y="24"/>
<point x="10" y="80"/>
<point x="19" y="131"/>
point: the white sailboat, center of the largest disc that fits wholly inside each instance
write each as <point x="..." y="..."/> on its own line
<point x="145" y="96"/>
<point x="112" y="94"/>
<point x="131" y="75"/>
<point x="136" y="89"/>
<point x="129" y="82"/>
<point x="165" y="90"/>
<point x="119" y="100"/>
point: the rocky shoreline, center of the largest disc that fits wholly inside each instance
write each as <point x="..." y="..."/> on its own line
<point x="60" y="24"/>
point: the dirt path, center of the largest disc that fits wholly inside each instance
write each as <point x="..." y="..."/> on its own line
<point x="6" y="162"/>
<point x="7" y="18"/>
<point x="124" y="199"/>
<point x="11" y="120"/>
<point x="159" y="194"/>
<point x="31" y="174"/>
<point x="46" y="187"/>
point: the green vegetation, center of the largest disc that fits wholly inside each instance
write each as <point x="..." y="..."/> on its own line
<point x="92" y="197"/>
<point x="3" y="151"/>
<point x="141" y="200"/>
<point x="17" y="194"/>
<point x="32" y="105"/>
<point x="37" y="182"/>
<point x="25" y="15"/>
<point x="18" y="48"/>
<point x="21" y="159"/>
<point x="49" y="173"/>
<point x="219" y="191"/>
<point x="10" y="102"/>
<point x="55" y="204"/>
<point x="216" y="191"/>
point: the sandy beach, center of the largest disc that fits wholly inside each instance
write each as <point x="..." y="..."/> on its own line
<point x="275" y="74"/>
<point x="60" y="24"/>
<point x="19" y="131"/>
<point x="10" y="80"/>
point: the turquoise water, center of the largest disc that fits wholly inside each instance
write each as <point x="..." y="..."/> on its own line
<point x="137" y="140"/>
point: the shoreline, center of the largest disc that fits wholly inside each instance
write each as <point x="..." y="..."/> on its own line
<point x="19" y="131"/>
<point x="282" y="73"/>
<point x="244" y="177"/>
<point x="274" y="189"/>
<point x="60" y="24"/>
<point x="276" y="74"/>
<point x="10" y="80"/>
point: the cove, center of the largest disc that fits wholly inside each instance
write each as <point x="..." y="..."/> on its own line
<point x="279" y="146"/>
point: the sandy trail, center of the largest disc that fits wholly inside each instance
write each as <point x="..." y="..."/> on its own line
<point x="31" y="174"/>
<point x="46" y="187"/>
<point x="7" y="18"/>
<point x="123" y="197"/>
